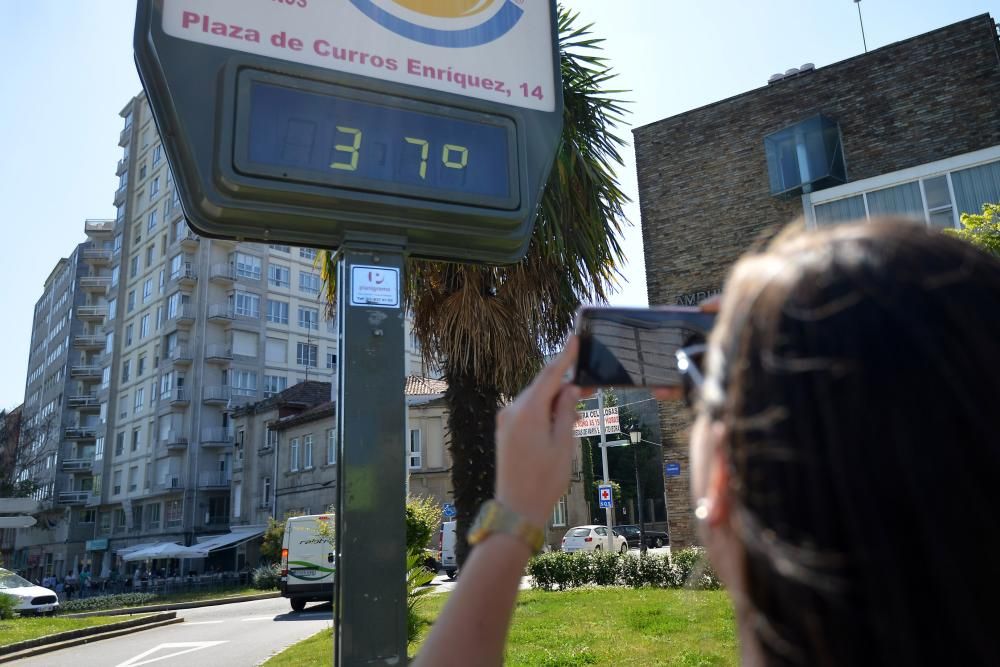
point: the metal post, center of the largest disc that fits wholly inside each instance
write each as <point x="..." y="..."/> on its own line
<point x="608" y="511"/>
<point x="638" y="490"/>
<point x="370" y="595"/>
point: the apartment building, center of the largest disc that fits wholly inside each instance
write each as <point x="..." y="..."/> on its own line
<point x="64" y="411"/>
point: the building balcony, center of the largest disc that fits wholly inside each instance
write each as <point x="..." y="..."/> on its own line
<point x="97" y="256"/>
<point x="95" y="227"/>
<point x="73" y="497"/>
<point x="77" y="465"/>
<point x="174" y="441"/>
<point x="80" y="432"/>
<point x="180" y="355"/>
<point x="241" y="397"/>
<point x="216" y="436"/>
<point x="214" y="479"/>
<point x="218" y="354"/>
<point x="170" y="483"/>
<point x="188" y="240"/>
<point x="88" y="342"/>
<point x="185" y="276"/>
<point x="222" y="273"/>
<point x="179" y="396"/>
<point x="184" y="317"/>
<point x="84" y="401"/>
<point x="85" y="372"/>
<point x="212" y="394"/>
<point x="220" y="312"/>
<point x="120" y="195"/>
<point x="99" y="284"/>
<point x="92" y="313"/>
<point x="125" y="136"/>
<point x="122" y="166"/>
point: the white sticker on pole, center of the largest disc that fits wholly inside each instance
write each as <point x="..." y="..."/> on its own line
<point x="375" y="286"/>
<point x="496" y="50"/>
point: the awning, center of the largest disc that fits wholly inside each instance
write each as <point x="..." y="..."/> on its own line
<point x="158" y="550"/>
<point x="238" y="536"/>
<point x="124" y="551"/>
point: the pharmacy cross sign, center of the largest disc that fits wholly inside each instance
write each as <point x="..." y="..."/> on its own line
<point x="604" y="495"/>
<point x="312" y="122"/>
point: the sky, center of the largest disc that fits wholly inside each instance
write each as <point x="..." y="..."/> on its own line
<point x="68" y="71"/>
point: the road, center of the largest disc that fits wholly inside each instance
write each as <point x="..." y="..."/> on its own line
<point x="245" y="633"/>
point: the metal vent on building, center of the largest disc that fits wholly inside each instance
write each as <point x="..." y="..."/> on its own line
<point x="805" y="157"/>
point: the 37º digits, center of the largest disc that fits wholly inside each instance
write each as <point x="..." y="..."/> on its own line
<point x="453" y="156"/>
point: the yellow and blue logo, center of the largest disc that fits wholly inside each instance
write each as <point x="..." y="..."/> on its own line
<point x="494" y="24"/>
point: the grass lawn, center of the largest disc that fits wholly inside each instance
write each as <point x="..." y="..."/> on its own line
<point x="593" y="627"/>
<point x="208" y="595"/>
<point x="32" y="627"/>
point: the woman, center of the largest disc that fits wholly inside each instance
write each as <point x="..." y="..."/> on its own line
<point x="843" y="457"/>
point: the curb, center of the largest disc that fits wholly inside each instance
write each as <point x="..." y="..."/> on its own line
<point x="167" y="606"/>
<point x="71" y="638"/>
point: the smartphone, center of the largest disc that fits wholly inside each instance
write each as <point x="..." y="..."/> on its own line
<point x="634" y="347"/>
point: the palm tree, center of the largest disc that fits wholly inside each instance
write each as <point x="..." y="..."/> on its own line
<point x="488" y="327"/>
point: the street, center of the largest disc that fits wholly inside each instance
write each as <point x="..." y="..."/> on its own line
<point x="245" y="633"/>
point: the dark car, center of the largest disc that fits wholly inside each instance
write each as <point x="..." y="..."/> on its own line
<point x="654" y="538"/>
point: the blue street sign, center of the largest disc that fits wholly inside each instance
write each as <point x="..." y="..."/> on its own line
<point x="604" y="495"/>
<point x="449" y="511"/>
<point x="672" y="469"/>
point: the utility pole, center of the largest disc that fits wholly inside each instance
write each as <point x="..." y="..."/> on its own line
<point x="638" y="490"/>
<point x="608" y="511"/>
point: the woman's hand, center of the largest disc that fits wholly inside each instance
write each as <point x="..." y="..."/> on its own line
<point x="535" y="441"/>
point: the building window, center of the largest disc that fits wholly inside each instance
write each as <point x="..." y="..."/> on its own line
<point x="265" y="491"/>
<point x="140" y="399"/>
<point x="270" y="439"/>
<point x="247" y="266"/>
<point x="305" y="354"/>
<point x="116" y="488"/>
<point x="246" y="304"/>
<point x="274" y="384"/>
<point x="278" y="275"/>
<point x="153" y="515"/>
<point x="133" y="266"/>
<point x="112" y="308"/>
<point x="559" y="513"/>
<point x="277" y="311"/>
<point x="140" y="365"/>
<point x="416" y="449"/>
<point x="173" y="517"/>
<point x="147" y="290"/>
<point x="157" y="154"/>
<point x="136" y="435"/>
<point x="308" y="318"/>
<point x="331" y="446"/>
<point x="120" y="443"/>
<point x="130" y="301"/>
<point x="293" y="455"/>
<point x="307" y="451"/>
<point x="126" y="369"/>
<point x="309" y="282"/>
<point x="244" y="383"/>
<point x="280" y="248"/>
<point x="331" y="360"/>
<point x="133" y="476"/>
<point x="144" y="326"/>
<point x="88" y="516"/>
<point x="307" y="253"/>
<point x="151" y="223"/>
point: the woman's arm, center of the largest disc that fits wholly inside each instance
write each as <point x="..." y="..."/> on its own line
<point x="534" y="449"/>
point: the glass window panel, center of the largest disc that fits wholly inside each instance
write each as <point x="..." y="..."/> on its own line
<point x="841" y="210"/>
<point x="944" y="218"/>
<point x="976" y="186"/>
<point x="936" y="190"/>
<point x="902" y="200"/>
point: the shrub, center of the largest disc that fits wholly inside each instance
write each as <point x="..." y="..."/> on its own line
<point x="417" y="579"/>
<point x="266" y="577"/>
<point x="423" y="519"/>
<point x="108" y="602"/>
<point x="560" y="571"/>
<point x="694" y="569"/>
<point x="7" y="605"/>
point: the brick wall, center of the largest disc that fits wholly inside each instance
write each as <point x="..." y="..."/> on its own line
<point x="703" y="187"/>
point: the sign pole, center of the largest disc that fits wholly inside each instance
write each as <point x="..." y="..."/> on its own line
<point x="608" y="511"/>
<point x="370" y="596"/>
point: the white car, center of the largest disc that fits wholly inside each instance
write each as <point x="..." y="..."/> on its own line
<point x="31" y="599"/>
<point x="592" y="538"/>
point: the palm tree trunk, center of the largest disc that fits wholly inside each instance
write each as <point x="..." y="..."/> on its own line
<point x="472" y="408"/>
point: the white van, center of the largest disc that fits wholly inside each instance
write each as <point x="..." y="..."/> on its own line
<point x="307" y="561"/>
<point x="446" y="540"/>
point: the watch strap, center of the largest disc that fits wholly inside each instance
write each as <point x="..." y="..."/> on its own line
<point x="495" y="517"/>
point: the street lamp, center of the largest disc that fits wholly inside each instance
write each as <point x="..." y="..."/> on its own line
<point x="635" y="435"/>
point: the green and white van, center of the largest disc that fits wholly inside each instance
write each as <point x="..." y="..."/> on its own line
<point x="307" y="560"/>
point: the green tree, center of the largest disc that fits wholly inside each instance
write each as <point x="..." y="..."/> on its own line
<point x="982" y="229"/>
<point x="423" y="519"/>
<point x="270" y="548"/>
<point x="488" y="327"/>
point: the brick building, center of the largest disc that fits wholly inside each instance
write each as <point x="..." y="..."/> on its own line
<point x="912" y="128"/>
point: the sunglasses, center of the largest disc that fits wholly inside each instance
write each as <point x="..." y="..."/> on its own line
<point x="690" y="362"/>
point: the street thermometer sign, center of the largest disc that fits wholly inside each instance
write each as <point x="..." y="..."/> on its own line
<point x="433" y="123"/>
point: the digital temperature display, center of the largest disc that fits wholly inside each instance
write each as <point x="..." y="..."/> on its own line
<point x="340" y="137"/>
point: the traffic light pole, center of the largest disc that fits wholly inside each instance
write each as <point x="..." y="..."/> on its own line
<point x="370" y="594"/>
<point x="608" y="511"/>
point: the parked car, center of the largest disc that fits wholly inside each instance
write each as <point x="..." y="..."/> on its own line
<point x="31" y="599"/>
<point x="654" y="538"/>
<point x="591" y="538"/>
<point x="446" y="543"/>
